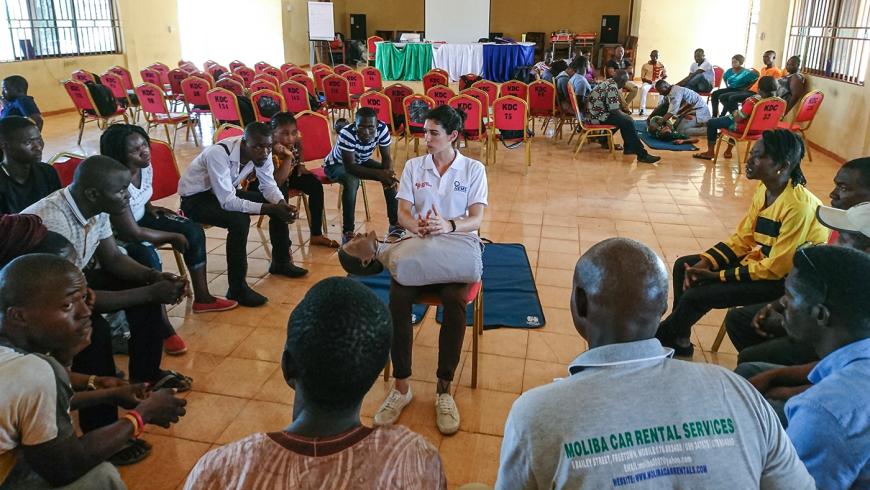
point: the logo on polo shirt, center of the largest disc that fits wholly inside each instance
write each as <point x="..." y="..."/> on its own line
<point x="458" y="187"/>
<point x="533" y="321"/>
<point x="422" y="185"/>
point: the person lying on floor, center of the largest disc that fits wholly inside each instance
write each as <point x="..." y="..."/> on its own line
<point x="663" y="130"/>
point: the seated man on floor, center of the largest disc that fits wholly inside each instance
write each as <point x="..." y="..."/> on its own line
<point x="80" y="213"/>
<point x="603" y="107"/>
<point x="651" y="72"/>
<point x="16" y="102"/>
<point x="210" y="194"/>
<point x="351" y="161"/>
<point x="45" y="307"/>
<point x="333" y="354"/>
<point x="701" y="76"/>
<point x="685" y="106"/>
<point x="620" y="62"/>
<point x="756" y="330"/>
<point x="827" y="306"/>
<point x="24" y="179"/>
<point x="717" y="431"/>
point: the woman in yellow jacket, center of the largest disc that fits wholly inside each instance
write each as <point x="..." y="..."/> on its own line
<point x="751" y="265"/>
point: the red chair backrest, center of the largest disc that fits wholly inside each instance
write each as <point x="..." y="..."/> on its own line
<point x="125" y="76"/>
<point x="765" y="115"/>
<point x="83" y="76"/>
<point x="320" y="66"/>
<point x="195" y="90"/>
<point x="295" y="96"/>
<point x="175" y="78"/>
<point x="397" y="93"/>
<point x="247" y="75"/>
<point x="306" y="81"/>
<point x="273" y="72"/>
<point x="262" y="84"/>
<point x="468" y="80"/>
<point x="355" y="82"/>
<point x="269" y="78"/>
<point x="259" y="94"/>
<point x="235" y="64"/>
<point x="231" y="85"/>
<point x="318" y="76"/>
<point x="214" y="70"/>
<point x="151" y="98"/>
<point x="510" y="113"/>
<point x="490" y="88"/>
<point x="440" y="94"/>
<point x="292" y="71"/>
<point x="65" y="165"/>
<point x="542" y="98"/>
<point x="260" y="66"/>
<point x="187" y="66"/>
<point x="480" y="95"/>
<point x="234" y="77"/>
<point x="718" y="73"/>
<point x="315" y="133"/>
<point x="382" y="106"/>
<point x="79" y="94"/>
<point x="204" y="76"/>
<point x="515" y="88"/>
<point x="809" y="106"/>
<point x="115" y="84"/>
<point x="225" y="131"/>
<point x="572" y="97"/>
<point x="224" y="105"/>
<point x="208" y="63"/>
<point x="473" y="109"/>
<point x="406" y="106"/>
<point x="287" y="66"/>
<point x="151" y="76"/>
<point x="165" y="167"/>
<point x="335" y="88"/>
<point x="372" y="48"/>
<point x="340" y="69"/>
<point x="372" y="78"/>
<point x="434" y="78"/>
<point x="163" y="71"/>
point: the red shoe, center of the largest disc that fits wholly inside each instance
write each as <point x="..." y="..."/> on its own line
<point x="219" y="304"/>
<point x="174" y="346"/>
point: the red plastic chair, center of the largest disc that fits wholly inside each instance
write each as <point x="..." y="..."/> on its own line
<point x="475" y="128"/>
<point x="338" y="98"/>
<point x="292" y="71"/>
<point x="318" y="76"/>
<point x="514" y="88"/>
<point x="295" y="97"/>
<point x="116" y="86"/>
<point x="235" y="64"/>
<point x="273" y="72"/>
<point x="355" y="83"/>
<point x="588" y="130"/>
<point x="440" y="94"/>
<point x="490" y="88"/>
<point x="397" y="93"/>
<point x="88" y="111"/>
<point x="165" y="167"/>
<point x="259" y="94"/>
<point x="247" y="75"/>
<point x="434" y="78"/>
<point x="65" y="165"/>
<point x="224" y="106"/>
<point x="83" y="76"/>
<point x="225" y="131"/>
<point x="372" y="47"/>
<point x="510" y="113"/>
<point x="125" y="76"/>
<point x="262" y="84"/>
<point x="766" y="115"/>
<point x="151" y="76"/>
<point x="441" y="70"/>
<point x="480" y="95"/>
<point x="718" y="73"/>
<point x="306" y="82"/>
<point x="414" y="129"/>
<point x="208" y="64"/>
<point x="195" y="90"/>
<point x="231" y="85"/>
<point x="341" y="68"/>
<point x="157" y="113"/>
<point x="187" y="66"/>
<point x="382" y="106"/>
<point x="372" y="78"/>
<point x="808" y="107"/>
<point x="542" y="102"/>
<point x="467" y="80"/>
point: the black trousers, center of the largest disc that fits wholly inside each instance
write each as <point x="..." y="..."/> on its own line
<point x="449" y="338"/>
<point x="692" y="304"/>
<point x="717" y="95"/>
<point x="752" y="347"/>
<point x="625" y="126"/>
<point x="147" y="327"/>
<point x="205" y="208"/>
<point x="312" y="188"/>
<point x="731" y="101"/>
<point x="351" y="185"/>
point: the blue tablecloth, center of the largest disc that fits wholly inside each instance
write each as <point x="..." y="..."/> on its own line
<point x="500" y="60"/>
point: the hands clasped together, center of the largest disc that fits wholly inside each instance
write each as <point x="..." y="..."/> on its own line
<point x="431" y="224"/>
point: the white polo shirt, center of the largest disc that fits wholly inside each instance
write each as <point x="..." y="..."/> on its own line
<point x="461" y="186"/>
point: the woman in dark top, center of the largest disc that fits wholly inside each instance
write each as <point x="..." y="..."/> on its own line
<point x="24" y="179"/>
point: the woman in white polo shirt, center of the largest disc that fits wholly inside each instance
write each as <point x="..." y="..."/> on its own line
<point x="440" y="192"/>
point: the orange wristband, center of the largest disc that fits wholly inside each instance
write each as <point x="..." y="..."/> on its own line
<point x="137" y="429"/>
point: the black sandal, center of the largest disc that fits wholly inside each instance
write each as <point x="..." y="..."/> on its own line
<point x="172" y="379"/>
<point x="134" y="451"/>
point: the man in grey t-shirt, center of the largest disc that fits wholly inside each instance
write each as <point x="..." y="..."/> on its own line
<point x="629" y="415"/>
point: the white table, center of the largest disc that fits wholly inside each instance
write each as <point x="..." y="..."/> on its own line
<point x="458" y="59"/>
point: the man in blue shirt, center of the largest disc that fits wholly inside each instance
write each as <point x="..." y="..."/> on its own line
<point x="16" y="102"/>
<point x="827" y="305"/>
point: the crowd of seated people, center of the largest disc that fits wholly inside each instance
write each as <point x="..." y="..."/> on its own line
<point x="799" y="313"/>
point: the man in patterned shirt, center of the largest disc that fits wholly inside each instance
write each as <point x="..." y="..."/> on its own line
<point x="603" y="107"/>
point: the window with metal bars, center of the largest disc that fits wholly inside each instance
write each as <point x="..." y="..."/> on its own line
<point x="832" y="37"/>
<point x="33" y="29"/>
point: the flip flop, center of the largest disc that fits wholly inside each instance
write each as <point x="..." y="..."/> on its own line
<point x="172" y="379"/>
<point x="131" y="453"/>
<point x="701" y="156"/>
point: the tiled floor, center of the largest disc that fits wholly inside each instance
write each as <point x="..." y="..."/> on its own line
<point x="558" y="210"/>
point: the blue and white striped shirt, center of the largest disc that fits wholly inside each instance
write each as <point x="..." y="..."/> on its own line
<point x="348" y="141"/>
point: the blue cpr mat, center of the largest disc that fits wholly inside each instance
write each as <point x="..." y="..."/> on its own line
<point x="657" y="144"/>
<point x="380" y="285"/>
<point x="510" y="297"/>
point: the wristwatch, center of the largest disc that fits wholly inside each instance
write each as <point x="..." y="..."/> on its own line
<point x="92" y="382"/>
<point x="453" y="225"/>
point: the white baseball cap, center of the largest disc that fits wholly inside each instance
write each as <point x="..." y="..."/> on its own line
<point x="854" y="219"/>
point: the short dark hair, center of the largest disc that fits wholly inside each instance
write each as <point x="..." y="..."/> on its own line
<point x="113" y="141"/>
<point x="660" y="83"/>
<point x="767" y="84"/>
<point x="281" y="119"/>
<point x="699" y="50"/>
<point x="12" y="124"/>
<point x="862" y="166"/>
<point x="785" y="147"/>
<point x="338" y="341"/>
<point x="95" y="172"/>
<point x="259" y="129"/>
<point x="839" y="278"/>
<point x="797" y="60"/>
<point x="22" y="279"/>
<point x="739" y="57"/>
<point x="580" y="62"/>
<point x="353" y="265"/>
<point x="449" y="118"/>
<point x="769" y="51"/>
<point x="558" y="67"/>
<point x="17" y="83"/>
<point x="365" y="113"/>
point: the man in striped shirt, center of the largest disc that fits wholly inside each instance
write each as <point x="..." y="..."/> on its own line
<point x="351" y="161"/>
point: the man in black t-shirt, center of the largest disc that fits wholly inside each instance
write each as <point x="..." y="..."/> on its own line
<point x="24" y="179"/>
<point x="620" y="62"/>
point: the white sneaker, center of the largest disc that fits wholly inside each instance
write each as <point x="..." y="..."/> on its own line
<point x="446" y="413"/>
<point x="392" y="407"/>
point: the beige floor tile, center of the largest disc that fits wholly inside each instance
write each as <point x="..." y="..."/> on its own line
<point x="483" y="411"/>
<point x="556" y="348"/>
<point x="264" y="344"/>
<point x="471" y="458"/>
<point x="167" y="467"/>
<point x="207" y="417"/>
<point x="537" y="373"/>
<point x="275" y="389"/>
<point x="215" y="338"/>
<point x="237" y="377"/>
<point x="496" y="373"/>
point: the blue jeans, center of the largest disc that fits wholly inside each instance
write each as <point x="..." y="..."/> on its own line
<point x="146" y="254"/>
<point x="337" y="173"/>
